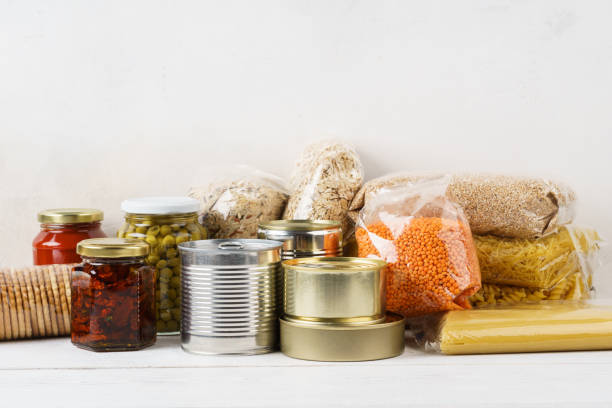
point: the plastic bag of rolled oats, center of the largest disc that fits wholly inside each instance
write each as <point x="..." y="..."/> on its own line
<point x="495" y="204"/>
<point x="325" y="179"/>
<point x="234" y="206"/>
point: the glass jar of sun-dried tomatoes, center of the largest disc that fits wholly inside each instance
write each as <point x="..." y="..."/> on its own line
<point x="113" y="296"/>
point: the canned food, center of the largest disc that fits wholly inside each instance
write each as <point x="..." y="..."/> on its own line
<point x="332" y="290"/>
<point x="376" y="341"/>
<point x="229" y="290"/>
<point x="304" y="238"/>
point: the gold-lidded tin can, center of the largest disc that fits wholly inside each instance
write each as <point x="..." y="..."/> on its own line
<point x="304" y="238"/>
<point x="376" y="341"/>
<point x="334" y="290"/>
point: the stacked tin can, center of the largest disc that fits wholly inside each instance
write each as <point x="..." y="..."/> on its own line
<point x="304" y="238"/>
<point x="229" y="302"/>
<point x="334" y="310"/>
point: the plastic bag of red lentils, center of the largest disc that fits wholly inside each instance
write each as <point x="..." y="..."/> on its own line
<point x="426" y="241"/>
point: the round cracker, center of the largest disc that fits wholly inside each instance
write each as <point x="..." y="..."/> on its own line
<point x="50" y="300"/>
<point x="10" y="289"/>
<point x="56" y="301"/>
<point x="63" y="298"/>
<point x="4" y="332"/>
<point x="40" y="313"/>
<point x="31" y="300"/>
<point x="18" y="303"/>
<point x="45" y="303"/>
<point x="68" y="284"/>
<point x="25" y="302"/>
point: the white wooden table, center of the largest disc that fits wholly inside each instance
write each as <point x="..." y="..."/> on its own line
<point x="53" y="373"/>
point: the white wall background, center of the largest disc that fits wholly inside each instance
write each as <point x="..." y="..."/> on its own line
<point x="104" y="100"/>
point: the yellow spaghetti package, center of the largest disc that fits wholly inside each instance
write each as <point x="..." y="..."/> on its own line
<point x="552" y="326"/>
<point x="541" y="263"/>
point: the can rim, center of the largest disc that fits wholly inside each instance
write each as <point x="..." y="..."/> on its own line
<point x="331" y="263"/>
<point x="299" y="225"/>
<point x="229" y="246"/>
<point x="391" y="319"/>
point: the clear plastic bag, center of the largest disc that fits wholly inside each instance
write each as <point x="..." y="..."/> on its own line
<point x="550" y="326"/>
<point x="507" y="206"/>
<point x="235" y="206"/>
<point x="323" y="184"/>
<point x="426" y="241"/>
<point x="574" y="287"/>
<point x="35" y="302"/>
<point x="540" y="263"/>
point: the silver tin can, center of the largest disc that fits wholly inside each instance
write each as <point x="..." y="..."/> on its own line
<point x="304" y="238"/>
<point x="229" y="296"/>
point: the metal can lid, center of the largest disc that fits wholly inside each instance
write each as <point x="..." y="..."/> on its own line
<point x="343" y="343"/>
<point x="161" y="205"/>
<point x="70" y="216"/>
<point x="327" y="264"/>
<point x="299" y="225"/>
<point x="112" y="248"/>
<point x="222" y="252"/>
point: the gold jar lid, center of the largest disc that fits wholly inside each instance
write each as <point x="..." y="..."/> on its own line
<point x="299" y="225"/>
<point x="343" y="343"/>
<point x="113" y="248"/>
<point x="334" y="290"/>
<point x="70" y="216"/>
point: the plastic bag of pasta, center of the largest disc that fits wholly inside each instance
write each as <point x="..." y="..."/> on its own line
<point x="574" y="287"/>
<point x="235" y="206"/>
<point x="540" y="263"/>
<point x="552" y="326"/>
<point x="325" y="180"/>
<point x="426" y="241"/>
<point x="507" y="206"/>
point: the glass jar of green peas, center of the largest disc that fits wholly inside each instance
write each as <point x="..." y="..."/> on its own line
<point x="164" y="222"/>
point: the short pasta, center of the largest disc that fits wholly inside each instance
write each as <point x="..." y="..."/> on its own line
<point x="537" y="263"/>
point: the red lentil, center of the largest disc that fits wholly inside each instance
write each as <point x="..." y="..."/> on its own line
<point x="432" y="264"/>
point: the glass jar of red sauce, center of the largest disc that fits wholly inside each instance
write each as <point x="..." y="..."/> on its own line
<point x="61" y="230"/>
<point x="113" y="296"/>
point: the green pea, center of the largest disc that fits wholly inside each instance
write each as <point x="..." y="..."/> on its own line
<point x="175" y="227"/>
<point x="171" y="294"/>
<point x="165" y="230"/>
<point x="176" y="313"/>
<point x="169" y="241"/>
<point x="165" y="275"/>
<point x="154" y="230"/>
<point x="177" y="270"/>
<point x="172" y="262"/>
<point x="172" y="253"/>
<point x="152" y="259"/>
<point x="163" y="287"/>
<point x="165" y="304"/>
<point x="141" y="230"/>
<point x="172" y="326"/>
<point x="196" y="236"/>
<point x="175" y="282"/>
<point x="151" y="240"/>
<point x="165" y="315"/>
<point x="182" y="238"/>
<point x="161" y="264"/>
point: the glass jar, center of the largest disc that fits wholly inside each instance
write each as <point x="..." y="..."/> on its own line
<point x="113" y="296"/>
<point x="164" y="222"/>
<point x="61" y="230"/>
